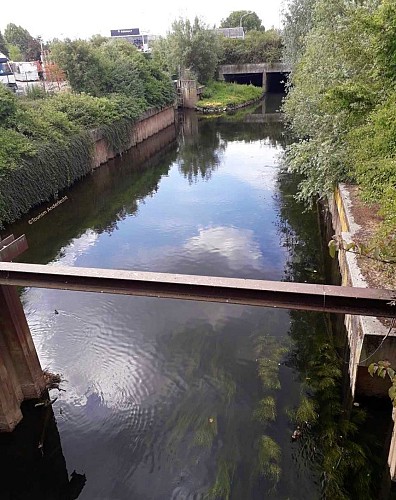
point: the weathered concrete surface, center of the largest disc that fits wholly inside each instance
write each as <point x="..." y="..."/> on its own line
<point x="369" y="339"/>
<point x="360" y="328"/>
<point x="149" y="124"/>
<point x="21" y="375"/>
<point x="188" y="93"/>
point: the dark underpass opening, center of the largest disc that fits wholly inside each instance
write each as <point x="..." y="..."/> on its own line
<point x="255" y="79"/>
<point x="276" y="82"/>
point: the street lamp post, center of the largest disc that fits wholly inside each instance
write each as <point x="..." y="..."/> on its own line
<point x="240" y="20"/>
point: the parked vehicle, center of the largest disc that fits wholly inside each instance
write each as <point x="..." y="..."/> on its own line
<point x="7" y="76"/>
<point x="25" y="71"/>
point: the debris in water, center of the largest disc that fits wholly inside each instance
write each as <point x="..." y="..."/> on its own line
<point x="296" y="434"/>
<point x="52" y="380"/>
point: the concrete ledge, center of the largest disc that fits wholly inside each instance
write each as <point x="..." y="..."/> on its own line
<point x="365" y="334"/>
<point x="358" y="327"/>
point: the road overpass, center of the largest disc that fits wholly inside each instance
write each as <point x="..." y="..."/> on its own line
<point x="267" y="75"/>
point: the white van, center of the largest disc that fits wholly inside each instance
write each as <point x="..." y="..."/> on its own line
<point x="7" y="76"/>
<point x="25" y="71"/>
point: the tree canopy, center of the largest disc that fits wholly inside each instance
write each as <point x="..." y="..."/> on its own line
<point x="22" y="41"/>
<point x="246" y="18"/>
<point x="189" y="46"/>
<point x="341" y="100"/>
<point x="102" y="66"/>
<point x="3" y="45"/>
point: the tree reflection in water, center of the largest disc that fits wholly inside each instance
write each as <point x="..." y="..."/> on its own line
<point x="335" y="440"/>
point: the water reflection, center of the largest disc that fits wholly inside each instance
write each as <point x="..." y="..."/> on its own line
<point x="32" y="464"/>
<point x="337" y="443"/>
<point x="172" y="399"/>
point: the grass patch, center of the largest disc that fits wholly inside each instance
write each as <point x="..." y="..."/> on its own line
<point x="220" y="95"/>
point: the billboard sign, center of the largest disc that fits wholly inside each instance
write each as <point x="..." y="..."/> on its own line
<point x="125" y="32"/>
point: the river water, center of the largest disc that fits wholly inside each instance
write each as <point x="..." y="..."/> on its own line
<point x="169" y="399"/>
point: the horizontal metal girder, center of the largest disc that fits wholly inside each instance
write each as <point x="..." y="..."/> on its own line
<point x="326" y="298"/>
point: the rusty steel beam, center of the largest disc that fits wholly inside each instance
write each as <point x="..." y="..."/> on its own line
<point x="325" y="298"/>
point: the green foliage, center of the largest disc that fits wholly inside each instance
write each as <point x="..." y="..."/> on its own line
<point x="222" y="487"/>
<point x="35" y="92"/>
<point x="46" y="171"/>
<point x="220" y="95"/>
<point x="269" y="458"/>
<point x="3" y="45"/>
<point x="266" y="410"/>
<point x="189" y="46"/>
<point x="39" y="122"/>
<point x="15" y="53"/>
<point x="13" y="147"/>
<point x="105" y="67"/>
<point x="45" y="147"/>
<point x="20" y="38"/>
<point x="246" y="18"/>
<point x="384" y="369"/>
<point x="297" y="24"/>
<point x="306" y="412"/>
<point x="7" y="104"/>
<point x="256" y="47"/>
<point x="341" y="100"/>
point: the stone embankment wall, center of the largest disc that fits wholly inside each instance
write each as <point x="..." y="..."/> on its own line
<point x="149" y="124"/>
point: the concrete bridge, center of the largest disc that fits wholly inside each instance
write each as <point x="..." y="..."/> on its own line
<point x="270" y="76"/>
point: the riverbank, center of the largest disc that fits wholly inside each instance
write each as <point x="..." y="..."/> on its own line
<point x="219" y="97"/>
<point x="38" y="175"/>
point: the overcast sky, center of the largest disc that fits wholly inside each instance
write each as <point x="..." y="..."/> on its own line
<point x="83" y="18"/>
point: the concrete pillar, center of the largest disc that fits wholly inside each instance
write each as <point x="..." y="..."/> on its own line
<point x="265" y="83"/>
<point x="21" y="376"/>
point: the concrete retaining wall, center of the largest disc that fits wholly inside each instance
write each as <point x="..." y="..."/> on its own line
<point x="149" y="124"/>
<point x="360" y="329"/>
<point x="365" y="334"/>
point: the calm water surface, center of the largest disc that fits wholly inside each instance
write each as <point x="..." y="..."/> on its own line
<point x="173" y="399"/>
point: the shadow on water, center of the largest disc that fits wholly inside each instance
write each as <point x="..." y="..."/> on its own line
<point x="32" y="465"/>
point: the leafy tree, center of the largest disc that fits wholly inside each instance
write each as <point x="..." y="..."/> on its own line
<point x="297" y="24"/>
<point x="3" y="45"/>
<point x="341" y="102"/>
<point x="190" y="46"/>
<point x="19" y="37"/>
<point x="250" y="21"/>
<point x="15" y="53"/>
<point x="80" y="62"/>
<point x="101" y="67"/>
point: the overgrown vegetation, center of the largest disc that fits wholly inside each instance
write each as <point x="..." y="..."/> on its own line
<point x="341" y="101"/>
<point x="196" y="49"/>
<point x="256" y="47"/>
<point x="221" y="95"/>
<point x="44" y="141"/>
